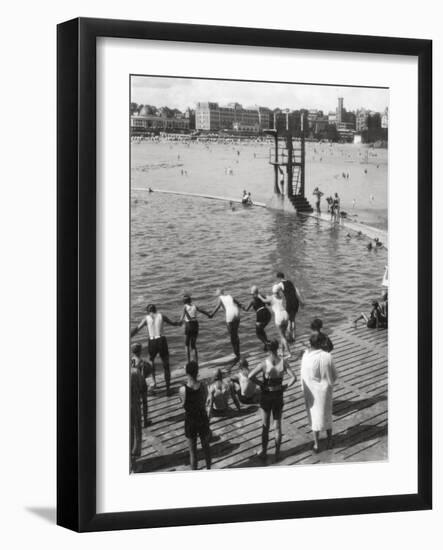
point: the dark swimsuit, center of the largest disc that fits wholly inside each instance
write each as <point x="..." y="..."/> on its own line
<point x="292" y="303"/>
<point x="196" y="417"/>
<point x="262" y="312"/>
<point x="272" y="396"/>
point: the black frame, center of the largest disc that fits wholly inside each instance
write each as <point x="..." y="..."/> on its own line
<point x="76" y="273"/>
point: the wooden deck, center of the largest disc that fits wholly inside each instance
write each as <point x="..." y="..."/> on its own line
<point x="360" y="415"/>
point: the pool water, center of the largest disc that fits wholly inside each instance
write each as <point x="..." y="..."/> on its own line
<point x="184" y="244"/>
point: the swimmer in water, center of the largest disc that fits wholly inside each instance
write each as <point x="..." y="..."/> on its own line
<point x="232" y="310"/>
<point x="150" y="190"/>
<point x="369" y="246"/>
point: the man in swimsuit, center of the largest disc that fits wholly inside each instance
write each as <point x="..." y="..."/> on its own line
<point x="138" y="399"/>
<point x="293" y="301"/>
<point x="232" y="310"/>
<point x="157" y="343"/>
<point x="318" y="194"/>
<point x="193" y="396"/>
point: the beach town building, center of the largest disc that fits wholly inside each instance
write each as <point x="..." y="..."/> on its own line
<point x="361" y="120"/>
<point x="211" y="116"/>
<point x="151" y="123"/>
<point x="340" y="111"/>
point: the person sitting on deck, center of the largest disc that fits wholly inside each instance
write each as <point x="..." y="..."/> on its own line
<point x="384" y="307"/>
<point x="246" y="390"/>
<point x="244" y="199"/>
<point x="193" y="397"/>
<point x="376" y="317"/>
<point x="325" y="341"/>
<point x="219" y="393"/>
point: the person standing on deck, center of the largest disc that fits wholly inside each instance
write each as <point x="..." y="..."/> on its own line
<point x="293" y="301"/>
<point x="193" y="396"/>
<point x="273" y="370"/>
<point x="157" y="343"/>
<point x="232" y="310"/>
<point x="318" y="376"/>
<point x="326" y="344"/>
<point x="138" y="397"/>
<point x="281" y="317"/>
<point x="263" y="315"/>
<point x="189" y="317"/>
<point x="145" y="370"/>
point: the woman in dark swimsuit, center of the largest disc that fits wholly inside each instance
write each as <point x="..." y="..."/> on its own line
<point x="273" y="370"/>
<point x="263" y="315"/>
<point x="193" y="396"/>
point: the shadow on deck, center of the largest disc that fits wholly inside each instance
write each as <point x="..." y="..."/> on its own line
<point x="359" y="411"/>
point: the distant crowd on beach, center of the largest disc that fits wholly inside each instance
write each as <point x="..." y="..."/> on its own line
<point x="263" y="385"/>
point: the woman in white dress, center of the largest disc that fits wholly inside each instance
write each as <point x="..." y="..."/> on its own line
<point x="318" y="375"/>
<point x="281" y="317"/>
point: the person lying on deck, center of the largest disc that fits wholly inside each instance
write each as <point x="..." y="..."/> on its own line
<point x="218" y="396"/>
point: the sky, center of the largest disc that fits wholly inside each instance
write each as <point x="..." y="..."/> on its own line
<point x="180" y="93"/>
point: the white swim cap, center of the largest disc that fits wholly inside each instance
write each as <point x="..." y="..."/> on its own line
<point x="254" y="289"/>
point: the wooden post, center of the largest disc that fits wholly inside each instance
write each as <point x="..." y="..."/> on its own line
<point x="276" y="183"/>
<point x="290" y="169"/>
<point x="302" y="159"/>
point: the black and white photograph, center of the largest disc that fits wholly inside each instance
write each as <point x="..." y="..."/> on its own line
<point x="258" y="274"/>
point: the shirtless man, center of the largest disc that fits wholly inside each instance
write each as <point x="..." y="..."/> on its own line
<point x="157" y="343"/>
<point x="232" y="309"/>
<point x="292" y="299"/>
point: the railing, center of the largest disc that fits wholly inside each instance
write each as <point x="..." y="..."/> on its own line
<point x="282" y="156"/>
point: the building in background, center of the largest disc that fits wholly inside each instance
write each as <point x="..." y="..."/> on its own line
<point x="212" y="117"/>
<point x="141" y="124"/>
<point x="385" y="119"/>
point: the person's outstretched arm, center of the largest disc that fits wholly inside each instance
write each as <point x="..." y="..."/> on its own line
<point x="299" y="298"/>
<point x="217" y="307"/>
<point x="138" y="327"/>
<point x="202" y="311"/>
<point x="253" y="375"/>
<point x="169" y="322"/>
